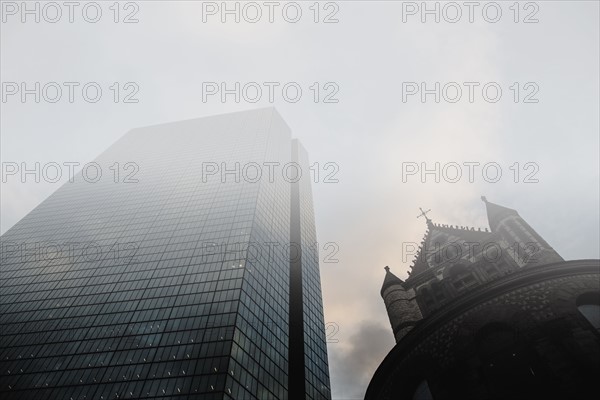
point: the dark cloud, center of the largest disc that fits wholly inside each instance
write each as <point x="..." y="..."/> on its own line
<point x="356" y="357"/>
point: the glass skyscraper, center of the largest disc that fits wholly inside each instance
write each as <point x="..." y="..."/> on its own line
<point x="181" y="263"/>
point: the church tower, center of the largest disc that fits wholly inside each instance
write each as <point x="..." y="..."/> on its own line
<point x="490" y="314"/>
<point x="452" y="260"/>
<point x="533" y="249"/>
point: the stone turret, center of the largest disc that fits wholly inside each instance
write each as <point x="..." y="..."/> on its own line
<point x="400" y="304"/>
<point x="533" y="249"/>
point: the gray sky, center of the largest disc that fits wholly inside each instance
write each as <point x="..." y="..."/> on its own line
<point x="369" y="133"/>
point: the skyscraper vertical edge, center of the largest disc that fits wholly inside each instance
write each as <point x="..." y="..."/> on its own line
<point x="308" y="372"/>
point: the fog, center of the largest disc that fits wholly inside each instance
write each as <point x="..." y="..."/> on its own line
<point x="379" y="93"/>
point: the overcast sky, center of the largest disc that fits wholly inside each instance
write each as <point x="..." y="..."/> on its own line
<point x="371" y="132"/>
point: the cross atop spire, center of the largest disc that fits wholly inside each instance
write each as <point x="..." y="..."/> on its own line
<point x="387" y="269"/>
<point x="424" y="214"/>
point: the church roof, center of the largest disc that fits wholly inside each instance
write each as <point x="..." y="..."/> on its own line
<point x="463" y="232"/>
<point x="496" y="213"/>
<point x="437" y="235"/>
<point x="389" y="280"/>
<point x="452" y="234"/>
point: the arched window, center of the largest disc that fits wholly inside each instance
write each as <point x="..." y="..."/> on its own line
<point x="588" y="305"/>
<point x="461" y="277"/>
<point x="436" y="256"/>
<point x="422" y="391"/>
<point x="491" y="270"/>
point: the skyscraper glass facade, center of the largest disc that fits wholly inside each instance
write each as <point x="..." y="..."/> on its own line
<point x="163" y="270"/>
<point x="305" y="260"/>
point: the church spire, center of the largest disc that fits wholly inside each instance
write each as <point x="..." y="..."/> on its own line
<point x="497" y="213"/>
<point x="520" y="233"/>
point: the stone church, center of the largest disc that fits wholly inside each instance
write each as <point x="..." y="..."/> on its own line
<point x="491" y="314"/>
